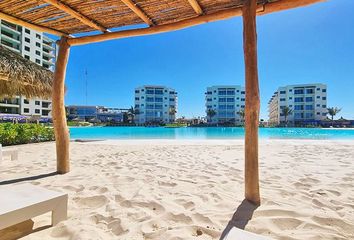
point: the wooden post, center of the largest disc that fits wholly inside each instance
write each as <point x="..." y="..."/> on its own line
<point x="252" y="101"/>
<point x="58" y="108"/>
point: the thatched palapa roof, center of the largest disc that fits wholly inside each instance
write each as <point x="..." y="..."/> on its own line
<point x="70" y="17"/>
<point x="19" y="76"/>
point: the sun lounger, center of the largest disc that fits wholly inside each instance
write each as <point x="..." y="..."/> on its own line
<point x="239" y="234"/>
<point x="13" y="153"/>
<point x="22" y="202"/>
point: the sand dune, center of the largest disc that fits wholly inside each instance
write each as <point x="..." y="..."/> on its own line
<point x="191" y="189"/>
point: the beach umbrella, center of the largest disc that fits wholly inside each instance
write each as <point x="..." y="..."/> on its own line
<point x="19" y="76"/>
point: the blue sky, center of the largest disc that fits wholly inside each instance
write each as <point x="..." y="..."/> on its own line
<point x="306" y="45"/>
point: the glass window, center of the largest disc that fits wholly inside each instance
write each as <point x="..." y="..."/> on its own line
<point x="299" y="91"/>
<point x="324" y="106"/>
<point x="172" y="99"/>
<point x="309" y="91"/>
<point x="318" y="97"/>
<point x="309" y="115"/>
<point x="27" y="48"/>
<point x="282" y="92"/>
<point x="299" y="107"/>
<point x="324" y="98"/>
<point x="25" y="101"/>
<point x="158" y="91"/>
<point x="242" y="92"/>
<point x="230" y="92"/>
<point x="282" y="99"/>
<point x="27" y="31"/>
<point x="137" y="91"/>
<point x="299" y="99"/>
<point x="318" y="89"/>
<point x="38" y="53"/>
<point x="159" y="99"/>
<point x="209" y="99"/>
<point x="242" y="99"/>
<point x="309" y="107"/>
<point x="222" y="99"/>
<point x="38" y="44"/>
<point x="37" y="111"/>
<point x="149" y="91"/>
<point x="37" y="102"/>
<point x="27" y="40"/>
<point x="223" y="92"/>
<point x="222" y="107"/>
<point x="137" y="99"/>
<point x="26" y="110"/>
<point x="230" y="99"/>
<point x="38" y="61"/>
<point x="309" y="99"/>
<point x="27" y="57"/>
<point x="38" y="36"/>
<point x="290" y="98"/>
<point x="324" y="90"/>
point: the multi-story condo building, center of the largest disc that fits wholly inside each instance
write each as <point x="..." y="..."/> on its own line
<point x="38" y="48"/>
<point x="226" y="102"/>
<point x="308" y="103"/>
<point x="96" y="113"/>
<point x="155" y="104"/>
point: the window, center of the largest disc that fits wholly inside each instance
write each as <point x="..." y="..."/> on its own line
<point x="324" y="106"/>
<point x="137" y="91"/>
<point x="242" y="92"/>
<point x="299" y="115"/>
<point x="324" y="98"/>
<point x="27" y="31"/>
<point x="160" y="99"/>
<point x="290" y="90"/>
<point x="242" y="106"/>
<point x="299" y="107"/>
<point x="27" y="57"/>
<point x="45" y="104"/>
<point x="38" y="36"/>
<point x="324" y="114"/>
<point x="309" y="115"/>
<point x="242" y="99"/>
<point x="299" y="91"/>
<point x="159" y="91"/>
<point x="27" y="49"/>
<point x="26" y="110"/>
<point x="318" y="89"/>
<point x="38" y="61"/>
<point x="290" y="106"/>
<point x="136" y="99"/>
<point x="27" y="40"/>
<point x="37" y="102"/>
<point x="223" y="92"/>
<point x="318" y="105"/>
<point x="149" y="91"/>
<point x="230" y="100"/>
<point x="309" y="99"/>
<point x="299" y="99"/>
<point x="142" y="90"/>
<point x="172" y="99"/>
<point x="38" y="53"/>
<point x="222" y="99"/>
<point x="172" y="92"/>
<point x="290" y="98"/>
<point x="324" y="90"/>
<point x="209" y="99"/>
<point x="318" y="97"/>
<point x="38" y="44"/>
<point x="309" y="107"/>
<point x="282" y="99"/>
<point x="37" y="111"/>
<point x="230" y="92"/>
<point x="282" y="92"/>
<point x="309" y="91"/>
<point x="142" y="97"/>
<point x="25" y="101"/>
<point x="45" y="112"/>
<point x="318" y="113"/>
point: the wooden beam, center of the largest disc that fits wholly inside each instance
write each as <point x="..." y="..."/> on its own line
<point x="58" y="108"/>
<point x="24" y="23"/>
<point x="195" y="5"/>
<point x="130" y="4"/>
<point x="221" y="15"/>
<point x="76" y="14"/>
<point x="252" y="101"/>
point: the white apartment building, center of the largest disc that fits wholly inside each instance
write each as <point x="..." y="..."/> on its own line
<point x="227" y="102"/>
<point x="38" y="48"/>
<point x="155" y="104"/>
<point x="308" y="103"/>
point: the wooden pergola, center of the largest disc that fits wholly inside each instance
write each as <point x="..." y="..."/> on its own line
<point x="66" y="18"/>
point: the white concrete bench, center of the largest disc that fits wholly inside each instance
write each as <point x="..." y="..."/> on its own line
<point x="22" y="202"/>
<point x="13" y="153"/>
<point x="239" y="234"/>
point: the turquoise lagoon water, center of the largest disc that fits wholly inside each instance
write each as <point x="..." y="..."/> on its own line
<point x="205" y="133"/>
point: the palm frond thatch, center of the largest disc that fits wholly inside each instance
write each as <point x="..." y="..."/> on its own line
<point x="19" y="76"/>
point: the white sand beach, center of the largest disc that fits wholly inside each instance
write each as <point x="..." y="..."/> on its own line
<point x="190" y="189"/>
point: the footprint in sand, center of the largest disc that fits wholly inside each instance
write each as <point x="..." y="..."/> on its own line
<point x="92" y="202"/>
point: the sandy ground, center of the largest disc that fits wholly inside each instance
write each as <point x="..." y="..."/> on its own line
<point x="178" y="189"/>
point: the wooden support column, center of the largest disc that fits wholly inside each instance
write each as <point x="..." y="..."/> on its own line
<point x="252" y="101"/>
<point x="58" y="108"/>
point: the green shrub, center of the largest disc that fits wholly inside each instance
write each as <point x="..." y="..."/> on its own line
<point x="12" y="134"/>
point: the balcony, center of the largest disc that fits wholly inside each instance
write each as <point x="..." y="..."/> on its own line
<point x="10" y="46"/>
<point x="10" y="27"/>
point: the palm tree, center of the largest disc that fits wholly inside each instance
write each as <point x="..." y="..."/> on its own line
<point x="172" y="111"/>
<point x="211" y="113"/>
<point x="332" y="111"/>
<point x="132" y="112"/>
<point x="241" y="113"/>
<point x="286" y="111"/>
